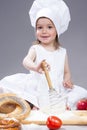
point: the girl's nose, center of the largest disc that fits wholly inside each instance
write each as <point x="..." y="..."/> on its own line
<point x="44" y="30"/>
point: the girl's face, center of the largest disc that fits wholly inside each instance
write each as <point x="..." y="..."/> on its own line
<point x="45" y="31"/>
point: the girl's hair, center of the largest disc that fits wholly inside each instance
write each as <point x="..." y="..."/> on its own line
<point x="57" y="43"/>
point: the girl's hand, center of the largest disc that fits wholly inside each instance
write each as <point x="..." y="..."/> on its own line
<point x="39" y="67"/>
<point x="67" y="84"/>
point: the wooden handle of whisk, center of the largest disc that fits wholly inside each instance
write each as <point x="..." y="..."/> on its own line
<point x="47" y="74"/>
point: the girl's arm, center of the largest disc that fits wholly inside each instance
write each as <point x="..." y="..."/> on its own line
<point x="29" y="61"/>
<point x="67" y="75"/>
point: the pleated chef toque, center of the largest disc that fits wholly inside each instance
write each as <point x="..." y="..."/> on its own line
<point x="55" y="10"/>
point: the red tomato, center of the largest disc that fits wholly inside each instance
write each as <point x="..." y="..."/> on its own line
<point x="82" y="104"/>
<point x="53" y="122"/>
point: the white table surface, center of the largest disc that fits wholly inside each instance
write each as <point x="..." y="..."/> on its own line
<point x="34" y="115"/>
<point x="63" y="127"/>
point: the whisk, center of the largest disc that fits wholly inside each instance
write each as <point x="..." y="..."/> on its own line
<point x="57" y="100"/>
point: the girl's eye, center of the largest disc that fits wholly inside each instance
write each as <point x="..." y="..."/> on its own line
<point x="39" y="27"/>
<point x="50" y="27"/>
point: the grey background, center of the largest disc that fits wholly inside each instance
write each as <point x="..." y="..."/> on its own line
<point x="16" y="36"/>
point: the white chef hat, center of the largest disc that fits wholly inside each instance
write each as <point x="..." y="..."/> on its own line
<point x="55" y="10"/>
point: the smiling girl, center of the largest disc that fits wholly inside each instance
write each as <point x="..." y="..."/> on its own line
<point x="49" y="23"/>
